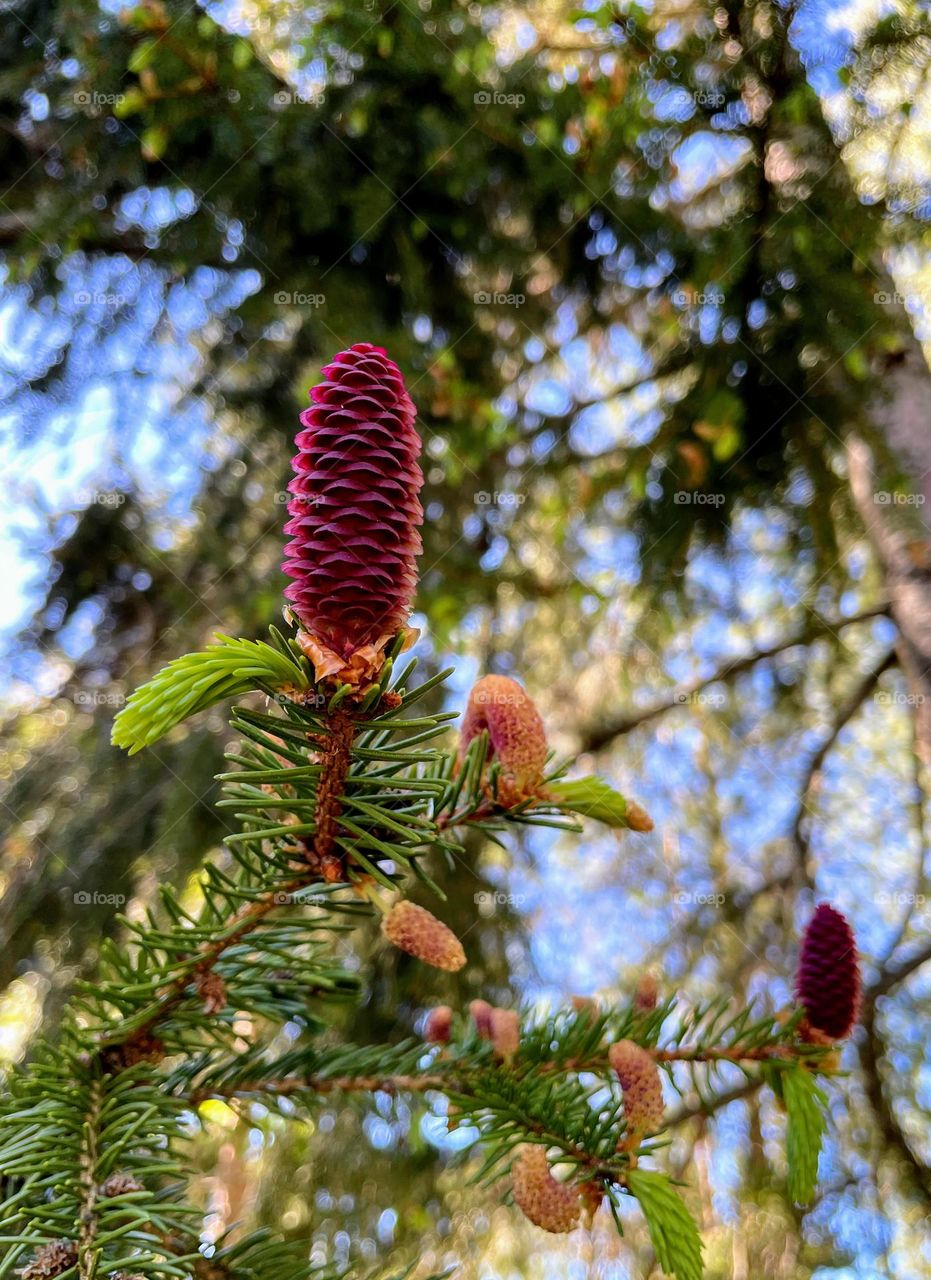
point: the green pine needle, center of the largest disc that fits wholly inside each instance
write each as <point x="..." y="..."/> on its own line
<point x="189" y="684"/>
<point x="673" y="1232"/>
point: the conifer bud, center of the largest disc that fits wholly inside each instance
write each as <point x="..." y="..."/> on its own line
<point x="637" y="817"/>
<point x="481" y="1015"/>
<point x="647" y="993"/>
<point x="828" y="981"/>
<point x="120" y="1184"/>
<point x="586" y="1005"/>
<point x="51" y="1260"/>
<point x="517" y="738"/>
<point x="641" y="1085"/>
<point x="414" y="930"/>
<point x="549" y="1204"/>
<point x="591" y="1194"/>
<point x="355" y="511"/>
<point x="438" y="1026"/>
<point x="505" y="1032"/>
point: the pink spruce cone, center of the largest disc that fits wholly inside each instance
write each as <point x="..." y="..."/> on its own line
<point x="505" y="1032"/>
<point x="439" y="1024"/>
<point x="828" y="980"/>
<point x="481" y="1012"/>
<point x="517" y="738"/>
<point x="355" y="513"/>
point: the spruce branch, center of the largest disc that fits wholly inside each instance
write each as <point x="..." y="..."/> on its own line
<point x="196" y="681"/>
<point x="343" y="791"/>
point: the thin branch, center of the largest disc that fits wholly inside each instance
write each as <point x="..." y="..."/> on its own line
<point x="872" y="1051"/>
<point x="597" y="736"/>
<point x="458" y="1081"/>
<point x="918" y="809"/>
<point x="708" y="1107"/>
<point x="801" y="836"/>
<point x="892" y="974"/>
<point x="121" y="1044"/>
<point x="87" y="1220"/>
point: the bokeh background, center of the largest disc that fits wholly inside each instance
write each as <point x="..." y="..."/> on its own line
<point x="658" y="277"/>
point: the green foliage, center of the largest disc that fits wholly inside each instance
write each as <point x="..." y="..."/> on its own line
<point x="67" y="1126"/>
<point x="593" y="798"/>
<point x="672" y="1229"/>
<point x="805" y="1109"/>
<point x="228" y="669"/>
<point x="333" y="792"/>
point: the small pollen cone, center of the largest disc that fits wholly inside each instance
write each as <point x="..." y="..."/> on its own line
<point x="828" y="980"/>
<point x="481" y="1015"/>
<point x="355" y="515"/>
<point x="641" y="1085"/>
<point x="414" y="930"/>
<point x="517" y="738"/>
<point x="647" y="993"/>
<point x="505" y="1032"/>
<point x="438" y="1026"/>
<point x="637" y="817"/>
<point x="586" y="1005"/>
<point x="549" y="1204"/>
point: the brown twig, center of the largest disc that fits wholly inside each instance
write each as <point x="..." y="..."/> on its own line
<point x="597" y="736"/>
<point x="801" y="836"/>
